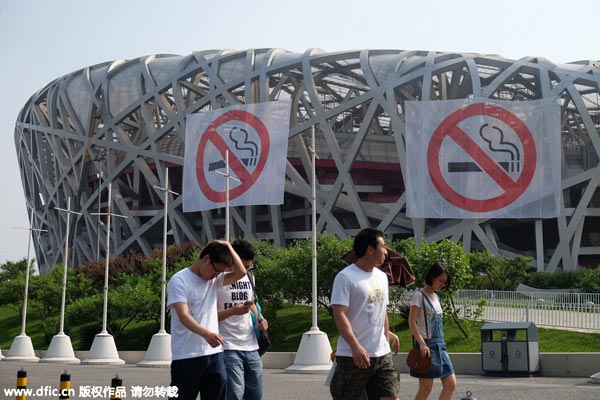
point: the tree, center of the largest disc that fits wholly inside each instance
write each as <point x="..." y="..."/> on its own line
<point x="13" y="270"/>
<point x="133" y="300"/>
<point x="590" y="283"/>
<point x="45" y="294"/>
<point x="12" y="284"/>
<point x="497" y="273"/>
<point x="134" y="290"/>
<point x="271" y="275"/>
<point x="287" y="273"/>
<point x="446" y="252"/>
<point x="11" y="294"/>
<point x="298" y="259"/>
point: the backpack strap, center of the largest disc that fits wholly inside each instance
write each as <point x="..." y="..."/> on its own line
<point x="251" y="279"/>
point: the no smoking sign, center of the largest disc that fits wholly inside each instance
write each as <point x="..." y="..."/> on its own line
<point x="253" y="138"/>
<point x="489" y="151"/>
<point x="246" y="138"/>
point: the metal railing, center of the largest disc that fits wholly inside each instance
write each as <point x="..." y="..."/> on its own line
<point x="544" y="308"/>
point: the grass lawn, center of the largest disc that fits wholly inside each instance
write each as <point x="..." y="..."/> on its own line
<point x="137" y="335"/>
<point x="293" y="321"/>
<point x="286" y="331"/>
<point x="10" y="326"/>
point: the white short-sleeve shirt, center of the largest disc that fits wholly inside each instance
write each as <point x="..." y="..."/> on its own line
<point x="237" y="330"/>
<point x="366" y="296"/>
<point x="417" y="300"/>
<point x="200" y="296"/>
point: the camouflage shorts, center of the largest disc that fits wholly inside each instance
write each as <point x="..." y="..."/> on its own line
<point x="381" y="379"/>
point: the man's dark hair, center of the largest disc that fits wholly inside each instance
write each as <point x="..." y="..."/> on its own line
<point x="365" y="238"/>
<point x="436" y="270"/>
<point x="218" y="253"/>
<point x="244" y="249"/>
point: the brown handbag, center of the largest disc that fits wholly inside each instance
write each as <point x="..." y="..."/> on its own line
<point x="396" y="267"/>
<point x="416" y="363"/>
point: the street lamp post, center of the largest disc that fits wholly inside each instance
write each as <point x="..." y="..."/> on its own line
<point x="99" y="175"/>
<point x="313" y="352"/>
<point x="159" y="350"/>
<point x="1" y="356"/>
<point x="22" y="347"/>
<point x="61" y="349"/>
<point x="104" y="349"/>
<point x="227" y="176"/>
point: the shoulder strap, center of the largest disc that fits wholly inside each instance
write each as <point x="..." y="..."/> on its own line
<point x="425" y="314"/>
<point x="251" y="279"/>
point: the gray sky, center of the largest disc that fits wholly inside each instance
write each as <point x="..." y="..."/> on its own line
<point x="41" y="40"/>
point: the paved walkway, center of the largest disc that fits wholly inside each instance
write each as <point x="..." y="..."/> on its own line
<point x="88" y="379"/>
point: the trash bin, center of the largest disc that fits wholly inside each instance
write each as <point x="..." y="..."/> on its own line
<point x="510" y="348"/>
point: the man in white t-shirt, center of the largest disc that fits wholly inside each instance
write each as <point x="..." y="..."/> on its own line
<point x="359" y="299"/>
<point x="242" y="361"/>
<point x="197" y="354"/>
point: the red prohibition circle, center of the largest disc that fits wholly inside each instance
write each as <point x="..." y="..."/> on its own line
<point x="512" y="189"/>
<point x="247" y="179"/>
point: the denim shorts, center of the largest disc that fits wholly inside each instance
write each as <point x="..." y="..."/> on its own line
<point x="440" y="360"/>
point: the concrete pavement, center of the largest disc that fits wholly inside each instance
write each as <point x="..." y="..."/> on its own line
<point x="146" y="383"/>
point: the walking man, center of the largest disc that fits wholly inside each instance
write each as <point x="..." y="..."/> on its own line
<point x="359" y="299"/>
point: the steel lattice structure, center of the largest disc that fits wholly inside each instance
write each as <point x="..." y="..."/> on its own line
<point x="124" y="122"/>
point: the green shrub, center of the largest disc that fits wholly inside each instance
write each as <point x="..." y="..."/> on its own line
<point x="591" y="281"/>
<point x="497" y="273"/>
<point x="446" y="252"/>
<point x="554" y="280"/>
<point x="287" y="273"/>
<point x="283" y="276"/>
<point x="270" y="277"/>
<point x="399" y="304"/>
<point x="481" y="262"/>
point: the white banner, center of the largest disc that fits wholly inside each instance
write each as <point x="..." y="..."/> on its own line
<point x="482" y="158"/>
<point x="256" y="137"/>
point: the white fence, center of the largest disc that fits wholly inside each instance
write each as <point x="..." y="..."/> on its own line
<point x="544" y="308"/>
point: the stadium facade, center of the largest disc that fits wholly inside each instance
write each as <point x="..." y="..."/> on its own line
<point x="123" y="122"/>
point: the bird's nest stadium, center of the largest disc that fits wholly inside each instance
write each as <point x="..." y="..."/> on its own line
<point x="123" y="122"/>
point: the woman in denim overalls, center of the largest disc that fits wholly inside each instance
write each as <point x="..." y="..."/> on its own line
<point x="431" y="340"/>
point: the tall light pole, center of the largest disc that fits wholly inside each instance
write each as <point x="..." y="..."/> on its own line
<point x="314" y="350"/>
<point x="313" y="153"/>
<point x="1" y="356"/>
<point x="22" y="347"/>
<point x="227" y="176"/>
<point x="159" y="350"/>
<point x="99" y="175"/>
<point x="61" y="349"/>
<point x="104" y="349"/>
